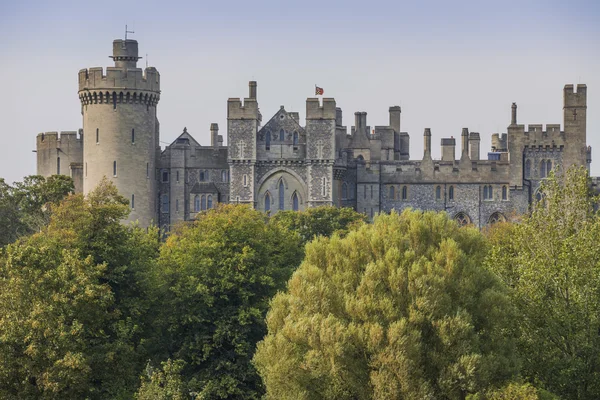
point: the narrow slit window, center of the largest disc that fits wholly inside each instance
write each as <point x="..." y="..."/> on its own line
<point x="176" y="204"/>
<point x="438" y="193"/>
<point x="97" y="135"/>
<point x="295" y="201"/>
<point x="147" y="170"/>
<point x="485" y="192"/>
<point x="177" y="176"/>
<point x="197" y="203"/>
<point x="451" y="193"/>
<point x="114" y="168"/>
<point x="404" y="192"/>
<point x="133" y="201"/>
<point x="504" y="193"/>
<point x="114" y="99"/>
<point x="392" y="192"/>
<point x="58" y="165"/>
<point x="268" y="141"/>
<point x="267" y="202"/>
<point x="281" y="195"/>
<point x="281" y="135"/>
<point x="209" y="202"/>
<point x="133" y="136"/>
<point x="203" y="203"/>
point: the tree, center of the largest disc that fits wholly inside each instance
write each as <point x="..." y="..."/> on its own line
<point x="319" y="221"/>
<point x="72" y="303"/>
<point x="514" y="391"/>
<point x="164" y="384"/>
<point x="26" y="207"/>
<point x="215" y="278"/>
<point x="551" y="263"/>
<point x="401" y="308"/>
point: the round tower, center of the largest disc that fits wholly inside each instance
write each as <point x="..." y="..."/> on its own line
<point x="121" y="129"/>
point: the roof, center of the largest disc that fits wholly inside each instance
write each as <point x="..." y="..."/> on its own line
<point x="205" y="187"/>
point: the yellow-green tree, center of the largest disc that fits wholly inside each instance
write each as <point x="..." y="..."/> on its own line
<point x="400" y="309"/>
<point x="214" y="280"/>
<point x="551" y="263"/>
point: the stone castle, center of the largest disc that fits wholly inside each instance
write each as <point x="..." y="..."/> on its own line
<point x="283" y="165"/>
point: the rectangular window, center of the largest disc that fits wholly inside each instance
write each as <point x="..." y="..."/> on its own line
<point x="97" y="135"/>
<point x="177" y="176"/>
<point x="133" y="201"/>
<point x="133" y="136"/>
<point x="58" y="165"/>
<point x="165" y="203"/>
<point x="147" y="171"/>
<point x="165" y="176"/>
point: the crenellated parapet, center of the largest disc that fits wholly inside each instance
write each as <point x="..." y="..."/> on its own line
<point x="131" y="86"/>
<point x="247" y="110"/>
<point x="131" y="96"/>
<point x="314" y="110"/>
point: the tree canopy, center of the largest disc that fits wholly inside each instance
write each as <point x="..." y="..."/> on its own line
<point x="401" y="308"/>
<point x="214" y="279"/>
<point x="551" y="263"/>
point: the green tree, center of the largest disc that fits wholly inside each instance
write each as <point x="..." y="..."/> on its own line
<point x="215" y="278"/>
<point x="164" y="384"/>
<point x="26" y="207"/>
<point x="319" y="221"/>
<point x="551" y="263"/>
<point x="72" y="306"/>
<point x="401" y="308"/>
<point x="514" y="391"/>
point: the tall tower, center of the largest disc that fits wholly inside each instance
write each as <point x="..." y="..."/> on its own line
<point x="121" y="139"/>
<point x="574" y="117"/>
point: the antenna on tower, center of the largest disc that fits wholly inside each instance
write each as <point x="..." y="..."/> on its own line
<point x="126" y="32"/>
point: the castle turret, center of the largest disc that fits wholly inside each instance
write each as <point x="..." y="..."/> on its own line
<point x="121" y="129"/>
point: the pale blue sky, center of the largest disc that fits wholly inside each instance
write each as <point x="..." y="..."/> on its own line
<point x="449" y="64"/>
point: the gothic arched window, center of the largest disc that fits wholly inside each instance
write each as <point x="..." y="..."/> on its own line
<point x="202" y="176"/>
<point x="438" y="193"/>
<point x="490" y="192"/>
<point x="451" y="193"/>
<point x="496" y="217"/>
<point x="295" y="201"/>
<point x="281" y="195"/>
<point x="295" y="139"/>
<point x="504" y="193"/>
<point x="282" y="135"/>
<point x="392" y="192"/>
<point x="267" y="202"/>
<point x="197" y="203"/>
<point x="209" y="203"/>
<point x="543" y="169"/>
<point x="462" y="219"/>
<point x="268" y="141"/>
<point x="404" y="192"/>
<point x="344" y="190"/>
<point x="485" y="192"/>
<point x="527" y="168"/>
<point x="548" y="167"/>
<point x="224" y="175"/>
<point x="203" y="203"/>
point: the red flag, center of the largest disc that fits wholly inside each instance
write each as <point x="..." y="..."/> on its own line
<point x="318" y="91"/>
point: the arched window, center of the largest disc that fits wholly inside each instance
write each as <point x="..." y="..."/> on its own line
<point x="543" y="169"/>
<point x="496" y="217"/>
<point x="504" y="193"/>
<point x="114" y="168"/>
<point x="101" y="97"/>
<point x="202" y="176"/>
<point x="527" y="168"/>
<point x="462" y="219"/>
<point x="114" y="96"/>
<point x="490" y="192"/>
<point x="282" y="135"/>
<point x="344" y="190"/>
<point x="404" y="192"/>
<point x="295" y="201"/>
<point x="295" y="139"/>
<point x="197" y="203"/>
<point x="121" y="97"/>
<point x="281" y="195"/>
<point x="392" y="192"/>
<point x="58" y="165"/>
<point x="548" y="167"/>
<point x="485" y="192"/>
<point x="224" y="175"/>
<point x="203" y="203"/>
<point x="451" y="193"/>
<point x="268" y="140"/>
<point x="209" y="203"/>
<point x="133" y="201"/>
<point x="438" y="193"/>
<point x="267" y="202"/>
<point x="133" y="136"/>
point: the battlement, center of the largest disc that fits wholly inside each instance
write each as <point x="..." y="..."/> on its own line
<point x="575" y="98"/>
<point x="56" y="138"/>
<point x="315" y="111"/>
<point x="237" y="110"/>
<point x="119" y="78"/>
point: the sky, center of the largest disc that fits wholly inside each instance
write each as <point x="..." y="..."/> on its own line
<point x="448" y="64"/>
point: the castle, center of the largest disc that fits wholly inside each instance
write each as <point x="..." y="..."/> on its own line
<point x="283" y="165"/>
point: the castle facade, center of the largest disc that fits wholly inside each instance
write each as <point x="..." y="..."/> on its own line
<point x="284" y="165"/>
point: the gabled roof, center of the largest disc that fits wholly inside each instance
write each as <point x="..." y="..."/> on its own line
<point x="185" y="135"/>
<point x="276" y="121"/>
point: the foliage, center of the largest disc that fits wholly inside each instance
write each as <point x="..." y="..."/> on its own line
<point x="71" y="303"/>
<point x="551" y="263"/>
<point x="514" y="391"/>
<point x="214" y="280"/>
<point x="25" y="207"/>
<point x="164" y="384"/>
<point x="397" y="309"/>
<point x="319" y="221"/>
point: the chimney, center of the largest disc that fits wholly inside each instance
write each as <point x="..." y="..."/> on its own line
<point x="395" y="112"/>
<point x="338" y="116"/>
<point x="448" y="146"/>
<point x="474" y="142"/>
<point x="464" y="140"/>
<point x="214" y="135"/>
<point x="360" y="122"/>
<point x="427" y="144"/>
<point x="252" y="85"/>
<point x="513" y="119"/>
